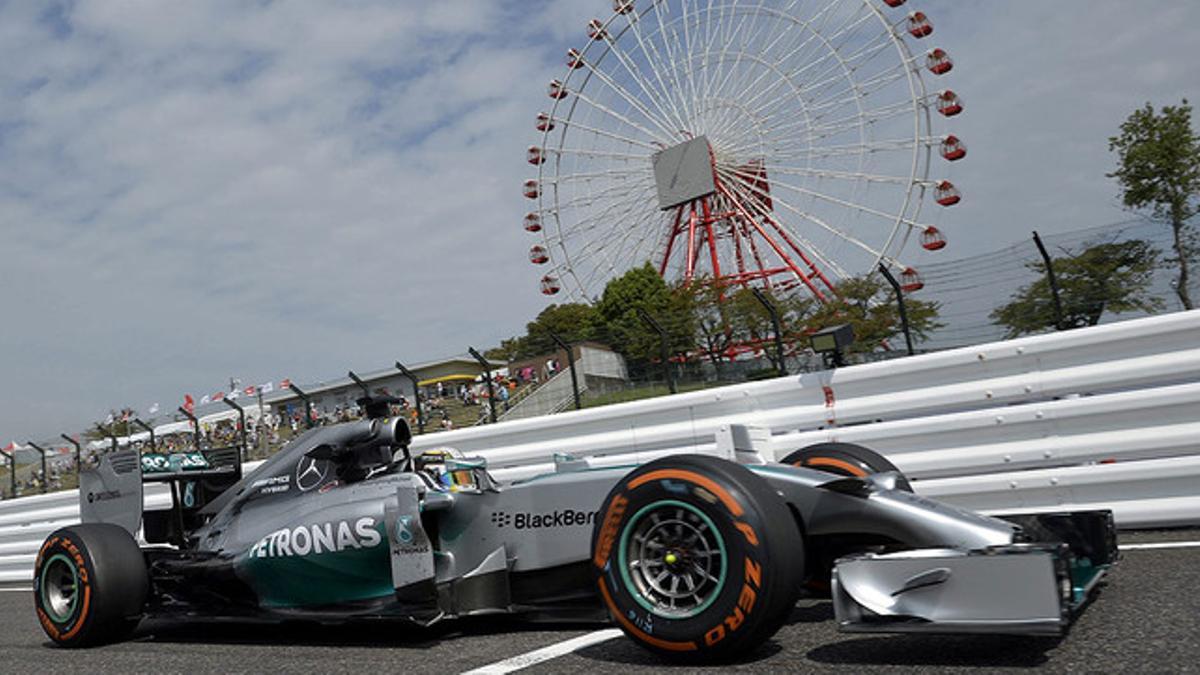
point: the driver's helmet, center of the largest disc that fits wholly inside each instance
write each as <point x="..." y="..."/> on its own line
<point x="441" y="465"/>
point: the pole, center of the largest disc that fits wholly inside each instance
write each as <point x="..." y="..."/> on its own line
<point x="242" y="419"/>
<point x="1058" y="313"/>
<point x="78" y="451"/>
<point x="570" y="364"/>
<point x="770" y="306"/>
<point x="308" y="420"/>
<point x="360" y="383"/>
<point x="416" y="394"/>
<point x="146" y="427"/>
<point x="42" y="452"/>
<point x="662" y="349"/>
<point x="195" y="426"/>
<point x="487" y="372"/>
<point x="111" y="436"/>
<point x="12" y="472"/>
<point x="899" y="301"/>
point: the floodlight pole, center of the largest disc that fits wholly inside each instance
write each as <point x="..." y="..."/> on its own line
<point x="42" y="452"/>
<point x="12" y="472"/>
<point x="416" y="394"/>
<point x="899" y="301"/>
<point x="308" y="420"/>
<point x="78" y="451"/>
<point x="487" y="373"/>
<point x="1058" y="312"/>
<point x="148" y="428"/>
<point x="195" y="426"/>
<point x="570" y="364"/>
<point x="770" y="307"/>
<point x="242" y="419"/>
<point x="662" y="349"/>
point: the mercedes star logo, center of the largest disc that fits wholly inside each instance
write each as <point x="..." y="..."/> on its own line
<point x="310" y="473"/>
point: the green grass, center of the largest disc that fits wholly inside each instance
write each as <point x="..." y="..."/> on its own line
<point x="643" y="392"/>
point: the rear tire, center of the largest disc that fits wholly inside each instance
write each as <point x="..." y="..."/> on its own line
<point x="845" y="459"/>
<point x="696" y="558"/>
<point x="90" y="585"/>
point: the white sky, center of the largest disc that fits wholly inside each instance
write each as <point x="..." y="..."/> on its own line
<point x="194" y="191"/>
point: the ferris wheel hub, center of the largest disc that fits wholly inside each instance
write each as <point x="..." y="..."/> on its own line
<point x="684" y="172"/>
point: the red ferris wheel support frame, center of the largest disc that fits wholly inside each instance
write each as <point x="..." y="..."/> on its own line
<point x="723" y="214"/>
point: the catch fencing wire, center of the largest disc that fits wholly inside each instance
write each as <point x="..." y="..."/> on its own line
<point x="969" y="289"/>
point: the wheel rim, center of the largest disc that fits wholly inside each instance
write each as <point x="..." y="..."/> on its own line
<point x="60" y="585"/>
<point x="672" y="559"/>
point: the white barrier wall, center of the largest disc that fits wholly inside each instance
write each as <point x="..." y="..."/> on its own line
<point x="1103" y="417"/>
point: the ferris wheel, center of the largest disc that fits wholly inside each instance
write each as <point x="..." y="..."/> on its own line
<point x="785" y="144"/>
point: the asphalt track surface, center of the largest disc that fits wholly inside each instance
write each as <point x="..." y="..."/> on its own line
<point x="1145" y="619"/>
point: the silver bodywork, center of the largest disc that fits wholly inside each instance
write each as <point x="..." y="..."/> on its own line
<point x="402" y="544"/>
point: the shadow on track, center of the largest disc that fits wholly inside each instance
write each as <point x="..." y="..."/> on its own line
<point x="992" y="651"/>
<point x="380" y="634"/>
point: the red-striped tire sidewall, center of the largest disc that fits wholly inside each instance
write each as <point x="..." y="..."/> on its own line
<point x="764" y="557"/>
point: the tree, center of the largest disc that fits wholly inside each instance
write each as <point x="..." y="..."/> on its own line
<point x="1112" y="276"/>
<point x="573" y="322"/>
<point x="621" y="325"/>
<point x="874" y="314"/>
<point x="1159" y="170"/>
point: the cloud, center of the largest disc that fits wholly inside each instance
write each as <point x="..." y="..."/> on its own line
<point x="192" y="191"/>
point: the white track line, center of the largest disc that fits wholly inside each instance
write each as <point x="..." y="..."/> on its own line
<point x="546" y="653"/>
<point x="16" y="590"/>
<point x="1159" y="544"/>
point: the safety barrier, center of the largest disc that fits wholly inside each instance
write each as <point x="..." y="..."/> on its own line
<point x="1097" y="417"/>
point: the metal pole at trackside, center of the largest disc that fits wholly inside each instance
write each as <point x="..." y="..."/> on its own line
<point x="42" y="452"/>
<point x="662" y="349"/>
<point x="570" y="364"/>
<point x="308" y="416"/>
<point x="487" y="372"/>
<point x="900" y="302"/>
<point x="148" y="429"/>
<point x="416" y="394"/>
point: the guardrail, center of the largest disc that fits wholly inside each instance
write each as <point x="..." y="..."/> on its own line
<point x="1098" y="417"/>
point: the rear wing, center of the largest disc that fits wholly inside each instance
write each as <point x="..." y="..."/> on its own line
<point x="113" y="491"/>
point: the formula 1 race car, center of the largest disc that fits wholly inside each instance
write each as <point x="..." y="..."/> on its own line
<point x="695" y="557"/>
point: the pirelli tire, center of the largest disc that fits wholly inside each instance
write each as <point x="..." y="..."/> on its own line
<point x="845" y="459"/>
<point x="696" y="558"/>
<point x="90" y="585"/>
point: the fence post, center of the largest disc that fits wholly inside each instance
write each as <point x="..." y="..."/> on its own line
<point x="662" y="350"/>
<point x="147" y="428"/>
<point x="362" y="385"/>
<point x="487" y="373"/>
<point x="78" y="451"/>
<point x="42" y="452"/>
<point x="12" y="472"/>
<point x="1058" y="313"/>
<point x="899" y="301"/>
<point x="570" y="364"/>
<point x="195" y="427"/>
<point x="762" y="299"/>
<point x="308" y="416"/>
<point x="242" y="418"/>
<point x="416" y="394"/>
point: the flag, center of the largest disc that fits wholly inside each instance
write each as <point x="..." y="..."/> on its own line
<point x="204" y="399"/>
<point x="249" y="391"/>
<point x="218" y="396"/>
<point x="153" y="409"/>
<point x="266" y="388"/>
<point x="188" y="403"/>
<point x="285" y="383"/>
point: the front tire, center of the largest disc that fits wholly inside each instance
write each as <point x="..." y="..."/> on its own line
<point x="697" y="558"/>
<point x="90" y="585"/>
<point x="845" y="459"/>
